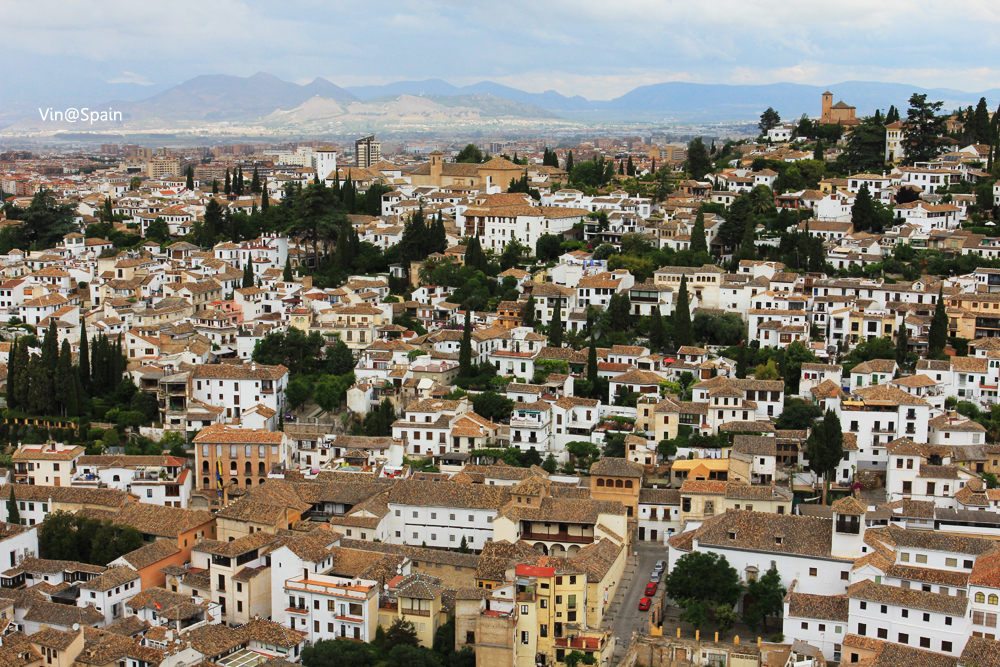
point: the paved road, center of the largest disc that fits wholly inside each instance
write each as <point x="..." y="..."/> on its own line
<point x="623" y="615"/>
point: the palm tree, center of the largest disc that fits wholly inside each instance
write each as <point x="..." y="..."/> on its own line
<point x="761" y="199"/>
<point x="427" y="269"/>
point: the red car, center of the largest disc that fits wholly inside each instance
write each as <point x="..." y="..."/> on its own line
<point x="651" y="588"/>
<point x="644" y="604"/>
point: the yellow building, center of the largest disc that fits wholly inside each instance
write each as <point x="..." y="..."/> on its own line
<point x="498" y="172"/>
<point x="420" y="599"/>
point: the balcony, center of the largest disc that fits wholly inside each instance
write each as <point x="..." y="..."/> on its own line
<point x="297" y="610"/>
<point x="410" y="611"/>
<point x="558" y="537"/>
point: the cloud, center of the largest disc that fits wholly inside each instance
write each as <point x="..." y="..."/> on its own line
<point x="576" y="47"/>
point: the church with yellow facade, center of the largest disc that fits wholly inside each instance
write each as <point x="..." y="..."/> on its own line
<point x="840" y="113"/>
<point x="497" y="173"/>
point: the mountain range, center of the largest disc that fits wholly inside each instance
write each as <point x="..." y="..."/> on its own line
<point x="323" y="106"/>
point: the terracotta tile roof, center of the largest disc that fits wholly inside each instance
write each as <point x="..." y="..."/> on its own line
<point x="151" y="553"/>
<point x="908" y="598"/>
<point x="617" y="467"/>
<point x="160" y="520"/>
<point x="433" y="494"/>
<point x="758" y="531"/>
<point x="115" y="576"/>
<point x="238" y="372"/>
<point x="62" y="615"/>
<point x="822" y="607"/>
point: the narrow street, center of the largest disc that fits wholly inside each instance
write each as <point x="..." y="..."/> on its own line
<point x="623" y="615"/>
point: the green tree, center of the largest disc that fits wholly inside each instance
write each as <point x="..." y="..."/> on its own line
<point x="248" y="277"/>
<point x="748" y="247"/>
<point x="818" y="151"/>
<point x="768" y="595"/>
<point x="13" y="513"/>
<point x="902" y="343"/>
<point x="865" y="150"/>
<point x="336" y="653"/>
<point x="698" y="243"/>
<point x="265" y="203"/>
<point x="286" y="273"/>
<point x="619" y="312"/>
<point x="474" y="257"/>
<point x="556" y="326"/>
<point x="401" y="633"/>
<point x="255" y="182"/>
<point x="470" y="154"/>
<point x="923" y="132"/>
<point x="550" y="465"/>
<point x="769" y="120"/>
<point x="825" y="448"/>
<point x="767" y="371"/>
<point x="548" y="247"/>
<point x="297" y="392"/>
<point x="592" y="371"/>
<point x="463" y="546"/>
<point x="341" y="359"/>
<point x="228" y="188"/>
<point x="64" y="380"/>
<point x="863" y="211"/>
<point x="465" y="350"/>
<point x="937" y="336"/>
<point x="682" y="316"/>
<point x="189" y="184"/>
<point x="569" y="162"/>
<point x="657" y="337"/>
<point x="702" y="575"/>
<point x="577" y="658"/>
<point x="491" y="405"/>
<point x="698" y="163"/>
<point x="528" y="312"/>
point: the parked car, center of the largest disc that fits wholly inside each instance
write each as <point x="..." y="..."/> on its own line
<point x="655" y="577"/>
<point x="660" y="565"/>
<point x="651" y="588"/>
<point x="644" y="604"/>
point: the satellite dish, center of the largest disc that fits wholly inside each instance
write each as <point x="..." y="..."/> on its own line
<point x="76" y="626"/>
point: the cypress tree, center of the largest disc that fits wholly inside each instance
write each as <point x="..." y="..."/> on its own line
<point x="902" y="343"/>
<point x="40" y="392"/>
<point x="682" y="316"/>
<point x="50" y="346"/>
<point x="239" y="182"/>
<point x="556" y="326"/>
<point x="741" y="362"/>
<point x="569" y="162"/>
<point x="248" y="279"/>
<point x="286" y="273"/>
<point x="630" y="167"/>
<point x="215" y="186"/>
<point x="190" y="178"/>
<point x="12" y="374"/>
<point x="818" y="151"/>
<point x="439" y="235"/>
<point x="255" y="182"/>
<point x="20" y="385"/>
<point x="264" y="201"/>
<point x="228" y="189"/>
<point x="474" y="257"/>
<point x="13" y="513"/>
<point x="84" y="359"/>
<point x="937" y="337"/>
<point x="863" y="210"/>
<point x="592" y="371"/>
<point x="656" y="334"/>
<point x="65" y="382"/>
<point x="748" y="248"/>
<point x="698" y="243"/>
<point x="528" y="312"/>
<point x="465" y="350"/>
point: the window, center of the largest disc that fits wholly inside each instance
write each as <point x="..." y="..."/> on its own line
<point x="863" y="604"/>
<point x="951" y="562"/>
<point x="927" y="618"/>
<point x="884" y="609"/>
<point x="805" y="626"/>
<point x="524" y="636"/>
<point x="903" y="638"/>
<point x="845" y="576"/>
<point x="980" y="597"/>
<point x="883" y="633"/>
<point x="812" y="572"/>
<point x="925" y="642"/>
<point x="922" y="558"/>
<point x="946" y="647"/>
<point x="904" y="557"/>
<point x="862" y="629"/>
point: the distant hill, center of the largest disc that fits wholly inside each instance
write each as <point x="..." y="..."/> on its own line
<point x="550" y="99"/>
<point x="221" y="97"/>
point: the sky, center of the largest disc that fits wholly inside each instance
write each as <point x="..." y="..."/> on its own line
<point x="597" y="49"/>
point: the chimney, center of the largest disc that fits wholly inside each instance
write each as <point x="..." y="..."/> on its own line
<point x="697" y="635"/>
<point x="758" y="642"/>
<point x="716" y="636"/>
<point x="678" y="632"/>
<point x="736" y="640"/>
